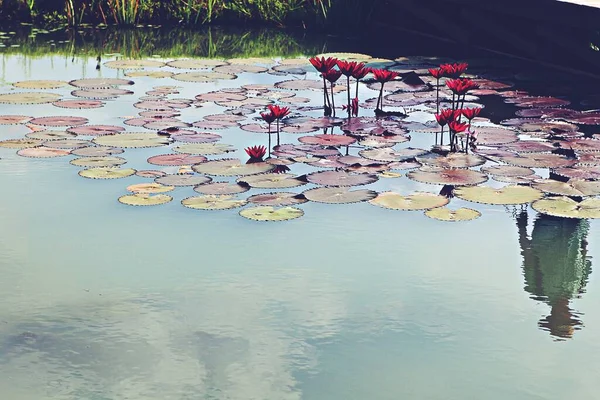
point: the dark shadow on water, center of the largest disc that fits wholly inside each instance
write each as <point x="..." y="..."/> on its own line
<point x="556" y="268"/>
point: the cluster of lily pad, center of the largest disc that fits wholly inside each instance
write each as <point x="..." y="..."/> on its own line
<point x="349" y="152"/>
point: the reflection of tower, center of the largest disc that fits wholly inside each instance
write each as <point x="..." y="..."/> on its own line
<point x="556" y="267"/>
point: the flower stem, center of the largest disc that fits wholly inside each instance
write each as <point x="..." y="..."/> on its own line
<point x="332" y="99"/>
<point x="278" y="132"/>
<point x="349" y="100"/>
<point x="437" y="96"/>
<point x="269" y="140"/>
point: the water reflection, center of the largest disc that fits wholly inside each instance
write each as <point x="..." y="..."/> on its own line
<point x="556" y="268"/>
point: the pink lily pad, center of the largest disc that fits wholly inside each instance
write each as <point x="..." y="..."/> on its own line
<point x="59" y="121"/>
<point x="176" y="159"/>
<point x="327" y="140"/>
<point x="96" y="130"/>
<point x="340" y="178"/>
<point x="78" y="104"/>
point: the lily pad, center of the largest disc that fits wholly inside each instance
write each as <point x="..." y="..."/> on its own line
<point x="149" y="188"/>
<point x="507" y="170"/>
<point x="574" y="187"/>
<point x="453" y="160"/>
<point x="132" y="140"/>
<point x="106" y="173"/>
<point x="339" y="195"/>
<point x="340" y="178"/>
<point x="580" y="172"/>
<point x="539" y="160"/>
<point x="96" y="151"/>
<point x="50" y="135"/>
<point x="196" y="63"/>
<point x="222" y="202"/>
<point x="568" y="208"/>
<point x="20" y="143"/>
<point x="40" y="84"/>
<point x="69" y="144"/>
<point x="14" y="119"/>
<point x="204" y="148"/>
<point x="231" y="167"/>
<point x="272" y="181"/>
<point x="42" y="152"/>
<point x="415" y="201"/>
<point x="59" y="121"/>
<point x="134" y="64"/>
<point x="277" y="199"/>
<point x="79" y="104"/>
<point x="182" y="180"/>
<point x="202" y="77"/>
<point x="507" y="195"/>
<point x="96" y="130"/>
<point x="175" y="159"/>
<point x="455" y="177"/>
<point x="28" y="98"/>
<point x="445" y="214"/>
<point x="145" y="199"/>
<point x="221" y="188"/>
<point x="388" y="154"/>
<point x="100" y="83"/>
<point x="327" y="140"/>
<point x="268" y="213"/>
<point x="96" y="162"/>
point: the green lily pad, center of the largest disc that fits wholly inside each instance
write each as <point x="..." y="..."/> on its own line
<point x="445" y="214"/>
<point x="268" y="213"/>
<point x="231" y="167"/>
<point x="132" y="140"/>
<point x="205" y="149"/>
<point x="145" y="199"/>
<point x="96" y="162"/>
<point x="107" y="173"/>
<point x="574" y="187"/>
<point x="568" y="208"/>
<point x="209" y="202"/>
<point x="339" y="195"/>
<point x="507" y="195"/>
<point x="415" y="201"/>
<point x="272" y="181"/>
<point x="28" y="98"/>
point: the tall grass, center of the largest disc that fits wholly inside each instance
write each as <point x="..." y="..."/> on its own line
<point x="130" y="12"/>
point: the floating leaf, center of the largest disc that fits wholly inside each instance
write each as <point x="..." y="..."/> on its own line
<point x="96" y="130"/>
<point x="28" y="98"/>
<point x="268" y="213"/>
<point x="415" y="201"/>
<point x="96" y="162"/>
<point x="239" y="68"/>
<point x="150" y="74"/>
<point x="453" y="160"/>
<point x="388" y="154"/>
<point x="50" y="135"/>
<point x="100" y="93"/>
<point x="539" y="160"/>
<point x="106" y="173"/>
<point x="132" y="140"/>
<point x="100" y="83"/>
<point x="504" y="196"/>
<point x="196" y="63"/>
<point x="340" y="178"/>
<point x="518" y="180"/>
<point x="573" y="187"/>
<point x="231" y="167"/>
<point x="175" y="159"/>
<point x="339" y="195"/>
<point x="445" y="214"/>
<point x="20" y="143"/>
<point x="144" y="199"/>
<point x="150" y="173"/>
<point x="182" y="180"/>
<point x="69" y="144"/>
<point x="14" y="119"/>
<point x="215" y="124"/>
<point x="195" y="137"/>
<point x="272" y="181"/>
<point x="568" y="208"/>
<point x="204" y="148"/>
<point x="42" y="152"/>
<point x="223" y="202"/>
<point x="59" y="121"/>
<point x="134" y="64"/>
<point x="149" y="188"/>
<point x="455" y="177"/>
<point x="507" y="170"/>
<point x="97" y="151"/>
<point x="40" y="84"/>
<point x="78" y="104"/>
<point x="202" y="76"/>
<point x="220" y="188"/>
<point x="277" y="199"/>
<point x="580" y="172"/>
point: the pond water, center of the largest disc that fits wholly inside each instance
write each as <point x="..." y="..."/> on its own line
<point x="102" y="300"/>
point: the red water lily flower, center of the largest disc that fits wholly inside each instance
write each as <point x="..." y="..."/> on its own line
<point x="256" y="152"/>
<point x="457" y="127"/>
<point x="461" y="86"/>
<point x="323" y="64"/>
<point x="360" y="71"/>
<point x="453" y="70"/>
<point x="347" y="68"/>
<point x="384" y="75"/>
<point x="471" y="113"/>
<point x="437" y="73"/>
<point x="332" y="75"/>
<point x="278" y="111"/>
<point x="269" y="117"/>
<point x="446" y="116"/>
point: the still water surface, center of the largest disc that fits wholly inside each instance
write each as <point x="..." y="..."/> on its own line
<point x="105" y="301"/>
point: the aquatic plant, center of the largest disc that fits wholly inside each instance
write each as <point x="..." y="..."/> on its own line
<point x="324" y="65"/>
<point x="382" y="76"/>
